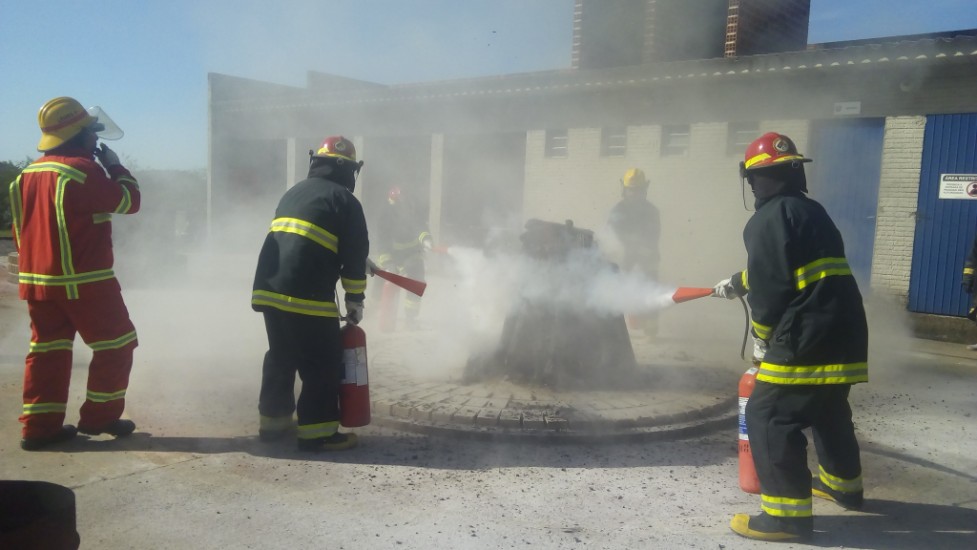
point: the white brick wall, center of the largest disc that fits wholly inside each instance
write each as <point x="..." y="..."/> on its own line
<point x="895" y="227"/>
<point x="698" y="194"/>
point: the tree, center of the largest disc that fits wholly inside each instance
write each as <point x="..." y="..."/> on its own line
<point x="8" y="172"/>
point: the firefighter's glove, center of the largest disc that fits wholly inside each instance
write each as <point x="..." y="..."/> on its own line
<point x="354" y="312"/>
<point x="107" y="157"/>
<point x="428" y="244"/>
<point x="371" y="267"/>
<point x="968" y="283"/>
<point x="760" y="348"/>
<point x="724" y="289"/>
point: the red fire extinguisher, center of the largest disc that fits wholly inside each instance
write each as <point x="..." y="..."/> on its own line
<point x="749" y="482"/>
<point x="354" y="390"/>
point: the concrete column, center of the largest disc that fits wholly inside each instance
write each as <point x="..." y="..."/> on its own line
<point x="437" y="185"/>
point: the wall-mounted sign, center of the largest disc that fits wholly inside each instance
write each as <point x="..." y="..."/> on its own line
<point x="848" y="108"/>
<point x="958" y="186"/>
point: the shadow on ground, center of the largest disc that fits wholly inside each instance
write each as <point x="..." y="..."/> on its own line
<point x="427" y="452"/>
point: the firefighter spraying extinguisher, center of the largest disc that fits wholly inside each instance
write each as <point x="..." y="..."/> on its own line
<point x="354" y="390"/>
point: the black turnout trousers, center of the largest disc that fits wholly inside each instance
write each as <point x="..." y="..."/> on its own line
<point x="776" y="414"/>
<point x="309" y="345"/>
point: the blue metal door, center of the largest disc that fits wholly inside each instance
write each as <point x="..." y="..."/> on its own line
<point x="944" y="227"/>
<point x="844" y="178"/>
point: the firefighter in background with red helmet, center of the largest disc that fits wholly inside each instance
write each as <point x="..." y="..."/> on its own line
<point x="811" y="345"/>
<point x="636" y="225"/>
<point x="62" y="207"/>
<point x="402" y="239"/>
<point x="317" y="239"/>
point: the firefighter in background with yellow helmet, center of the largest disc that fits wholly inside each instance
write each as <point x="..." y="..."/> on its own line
<point x="317" y="240"/>
<point x="62" y="206"/>
<point x="810" y="342"/>
<point x="635" y="223"/>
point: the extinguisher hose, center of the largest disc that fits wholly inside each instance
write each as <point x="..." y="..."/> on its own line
<point x="746" y="332"/>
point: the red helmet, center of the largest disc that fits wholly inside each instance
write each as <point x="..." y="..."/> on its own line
<point x="337" y="147"/>
<point x="393" y="195"/>
<point x="771" y="149"/>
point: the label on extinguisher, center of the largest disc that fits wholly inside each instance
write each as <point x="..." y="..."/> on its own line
<point x="742" y="406"/>
<point x="354" y="360"/>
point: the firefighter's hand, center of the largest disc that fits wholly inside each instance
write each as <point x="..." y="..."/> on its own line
<point x="107" y="157"/>
<point x="428" y="244"/>
<point x="760" y="348"/>
<point x="371" y="267"/>
<point x="354" y="312"/>
<point x="724" y="289"/>
<point x="968" y="284"/>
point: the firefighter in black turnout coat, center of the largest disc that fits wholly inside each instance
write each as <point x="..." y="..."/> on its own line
<point x="317" y="239"/>
<point x="811" y="345"/>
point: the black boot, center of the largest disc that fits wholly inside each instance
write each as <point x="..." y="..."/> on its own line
<point x="66" y="433"/>
<point x="848" y="501"/>
<point x="769" y="528"/>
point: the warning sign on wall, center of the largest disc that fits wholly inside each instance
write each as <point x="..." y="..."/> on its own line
<point x="958" y="186"/>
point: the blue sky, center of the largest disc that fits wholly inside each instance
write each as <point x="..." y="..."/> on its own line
<point x="146" y="61"/>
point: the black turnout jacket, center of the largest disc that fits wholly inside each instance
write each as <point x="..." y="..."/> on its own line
<point x="318" y="238"/>
<point x="803" y="298"/>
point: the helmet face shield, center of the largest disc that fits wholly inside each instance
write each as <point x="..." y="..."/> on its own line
<point x="104" y="127"/>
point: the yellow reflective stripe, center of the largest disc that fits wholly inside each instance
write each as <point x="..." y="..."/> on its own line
<point x="275" y="423"/>
<point x="786" y="507"/>
<point x="315" y="431"/>
<point x="293" y="304"/>
<point x="128" y="179"/>
<point x="751" y="161"/>
<point x="42" y="408"/>
<point x="105" y="397"/>
<point x="840" y="484"/>
<point x="54" y="345"/>
<point x="307" y="230"/>
<point x="763" y="332"/>
<point x="819" y="269"/>
<point x="968" y="271"/>
<point x="115" y="343"/>
<point x="744" y="280"/>
<point x="101" y="218"/>
<point x="354" y="286"/>
<point x="65" y="280"/>
<point x="126" y="203"/>
<point x="851" y="373"/>
<point x="16" y="207"/>
<point x="382" y="259"/>
<point x="62" y="169"/>
<point x="67" y="266"/>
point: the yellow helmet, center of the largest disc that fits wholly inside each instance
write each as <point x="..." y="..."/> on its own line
<point x="61" y="119"/>
<point x="634" y="178"/>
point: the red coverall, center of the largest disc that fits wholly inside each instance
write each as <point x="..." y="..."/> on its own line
<point x="62" y="205"/>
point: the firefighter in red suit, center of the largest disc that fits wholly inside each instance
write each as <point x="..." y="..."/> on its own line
<point x="62" y="205"/>
<point x="810" y="342"/>
<point x="318" y="239"/>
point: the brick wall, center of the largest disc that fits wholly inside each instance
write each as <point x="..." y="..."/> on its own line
<point x="895" y="227"/>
